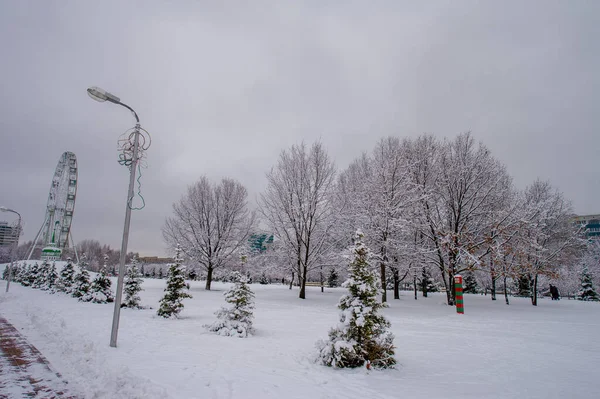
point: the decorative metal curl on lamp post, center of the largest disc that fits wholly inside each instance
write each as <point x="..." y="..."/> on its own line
<point x="15" y="246"/>
<point x="101" y="95"/>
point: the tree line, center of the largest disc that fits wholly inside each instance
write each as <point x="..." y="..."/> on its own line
<point x="427" y="207"/>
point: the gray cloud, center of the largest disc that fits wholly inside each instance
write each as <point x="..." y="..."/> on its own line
<point x="224" y="87"/>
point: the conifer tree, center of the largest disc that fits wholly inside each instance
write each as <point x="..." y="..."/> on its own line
<point x="171" y="303"/>
<point x="470" y="283"/>
<point x="67" y="277"/>
<point x="81" y="284"/>
<point x="160" y="273"/>
<point x="587" y="291"/>
<point x="39" y="274"/>
<point x="333" y="278"/>
<point x="5" y="272"/>
<point x="362" y="335"/>
<point x="236" y="320"/>
<point x="26" y="276"/>
<point x="100" y="291"/>
<point x="263" y="278"/>
<point x="51" y="278"/>
<point x="133" y="285"/>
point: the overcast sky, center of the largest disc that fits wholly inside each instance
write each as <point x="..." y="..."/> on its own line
<point x="222" y="87"/>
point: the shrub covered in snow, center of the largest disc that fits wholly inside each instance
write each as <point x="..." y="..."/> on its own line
<point x="51" y="278"/>
<point x="81" y="284"/>
<point x="100" y="291"/>
<point x="236" y="320"/>
<point x="587" y="291"/>
<point x="171" y="303"/>
<point x="38" y="274"/>
<point x="133" y="285"/>
<point x="362" y="334"/>
<point x="66" y="277"/>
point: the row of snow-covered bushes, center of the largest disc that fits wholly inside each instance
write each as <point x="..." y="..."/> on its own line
<point x="74" y="280"/>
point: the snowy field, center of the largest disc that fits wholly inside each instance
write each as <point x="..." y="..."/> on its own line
<point x="493" y="351"/>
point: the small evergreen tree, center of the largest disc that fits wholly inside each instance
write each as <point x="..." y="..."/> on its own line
<point x="153" y="273"/>
<point x="333" y="278"/>
<point x="192" y="275"/>
<point x="100" y="291"/>
<point x="5" y="272"/>
<point x="523" y="286"/>
<point x="133" y="285"/>
<point x="587" y="291"/>
<point x="26" y="276"/>
<point x="263" y="278"/>
<point x="81" y="284"/>
<point x="39" y="275"/>
<point x="171" y="303"/>
<point x="362" y="335"/>
<point x="470" y="283"/>
<point x="67" y="277"/>
<point x="160" y="273"/>
<point x="51" y="278"/>
<point x="236" y="321"/>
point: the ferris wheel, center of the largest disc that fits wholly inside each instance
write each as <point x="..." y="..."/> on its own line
<point x="56" y="229"/>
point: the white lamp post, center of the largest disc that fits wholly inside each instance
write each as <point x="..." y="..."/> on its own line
<point x="102" y="95"/>
<point x="16" y="245"/>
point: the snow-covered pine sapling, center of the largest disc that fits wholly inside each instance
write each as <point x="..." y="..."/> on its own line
<point x="26" y="278"/>
<point x="264" y="279"/>
<point x="81" y="284"/>
<point x="587" y="291"/>
<point x="100" y="291"/>
<point x="362" y="335"/>
<point x="236" y="320"/>
<point x="171" y="303"/>
<point x="39" y="274"/>
<point x="333" y="278"/>
<point x="133" y="285"/>
<point x="67" y="277"/>
<point x="51" y="279"/>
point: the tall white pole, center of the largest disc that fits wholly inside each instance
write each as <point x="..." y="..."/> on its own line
<point x="118" y="296"/>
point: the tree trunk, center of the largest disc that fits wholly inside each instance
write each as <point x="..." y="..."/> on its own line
<point x="493" y="276"/>
<point x="534" y="290"/>
<point x="322" y="280"/>
<point x="292" y="280"/>
<point x="302" y="278"/>
<point x="415" y="285"/>
<point x="396" y="284"/>
<point x="209" y="273"/>
<point x="505" y="291"/>
<point x="383" y="283"/>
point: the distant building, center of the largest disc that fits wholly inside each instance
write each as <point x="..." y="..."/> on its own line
<point x="591" y="224"/>
<point x="155" y="260"/>
<point x="8" y="234"/>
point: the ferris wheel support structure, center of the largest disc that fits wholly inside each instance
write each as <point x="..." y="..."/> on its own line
<point x="56" y="228"/>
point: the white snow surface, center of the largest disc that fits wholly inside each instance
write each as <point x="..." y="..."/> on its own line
<point x="492" y="351"/>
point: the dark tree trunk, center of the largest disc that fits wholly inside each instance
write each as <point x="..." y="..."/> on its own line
<point x="505" y="291"/>
<point x="292" y="280"/>
<point x="209" y="273"/>
<point x="322" y="280"/>
<point x="302" y="294"/>
<point x="396" y="284"/>
<point x="493" y="276"/>
<point x="534" y="290"/>
<point x="415" y="285"/>
<point x="383" y="283"/>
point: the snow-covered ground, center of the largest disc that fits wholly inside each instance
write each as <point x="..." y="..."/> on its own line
<point x="493" y="351"/>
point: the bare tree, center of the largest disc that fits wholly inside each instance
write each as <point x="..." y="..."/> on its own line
<point x="548" y="238"/>
<point x="298" y="206"/>
<point x="212" y="223"/>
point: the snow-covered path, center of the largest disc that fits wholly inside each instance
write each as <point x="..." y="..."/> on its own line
<point x="493" y="351"/>
<point x="24" y="372"/>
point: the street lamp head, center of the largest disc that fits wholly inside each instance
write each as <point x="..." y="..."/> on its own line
<point x="101" y="95"/>
<point x="3" y="209"/>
